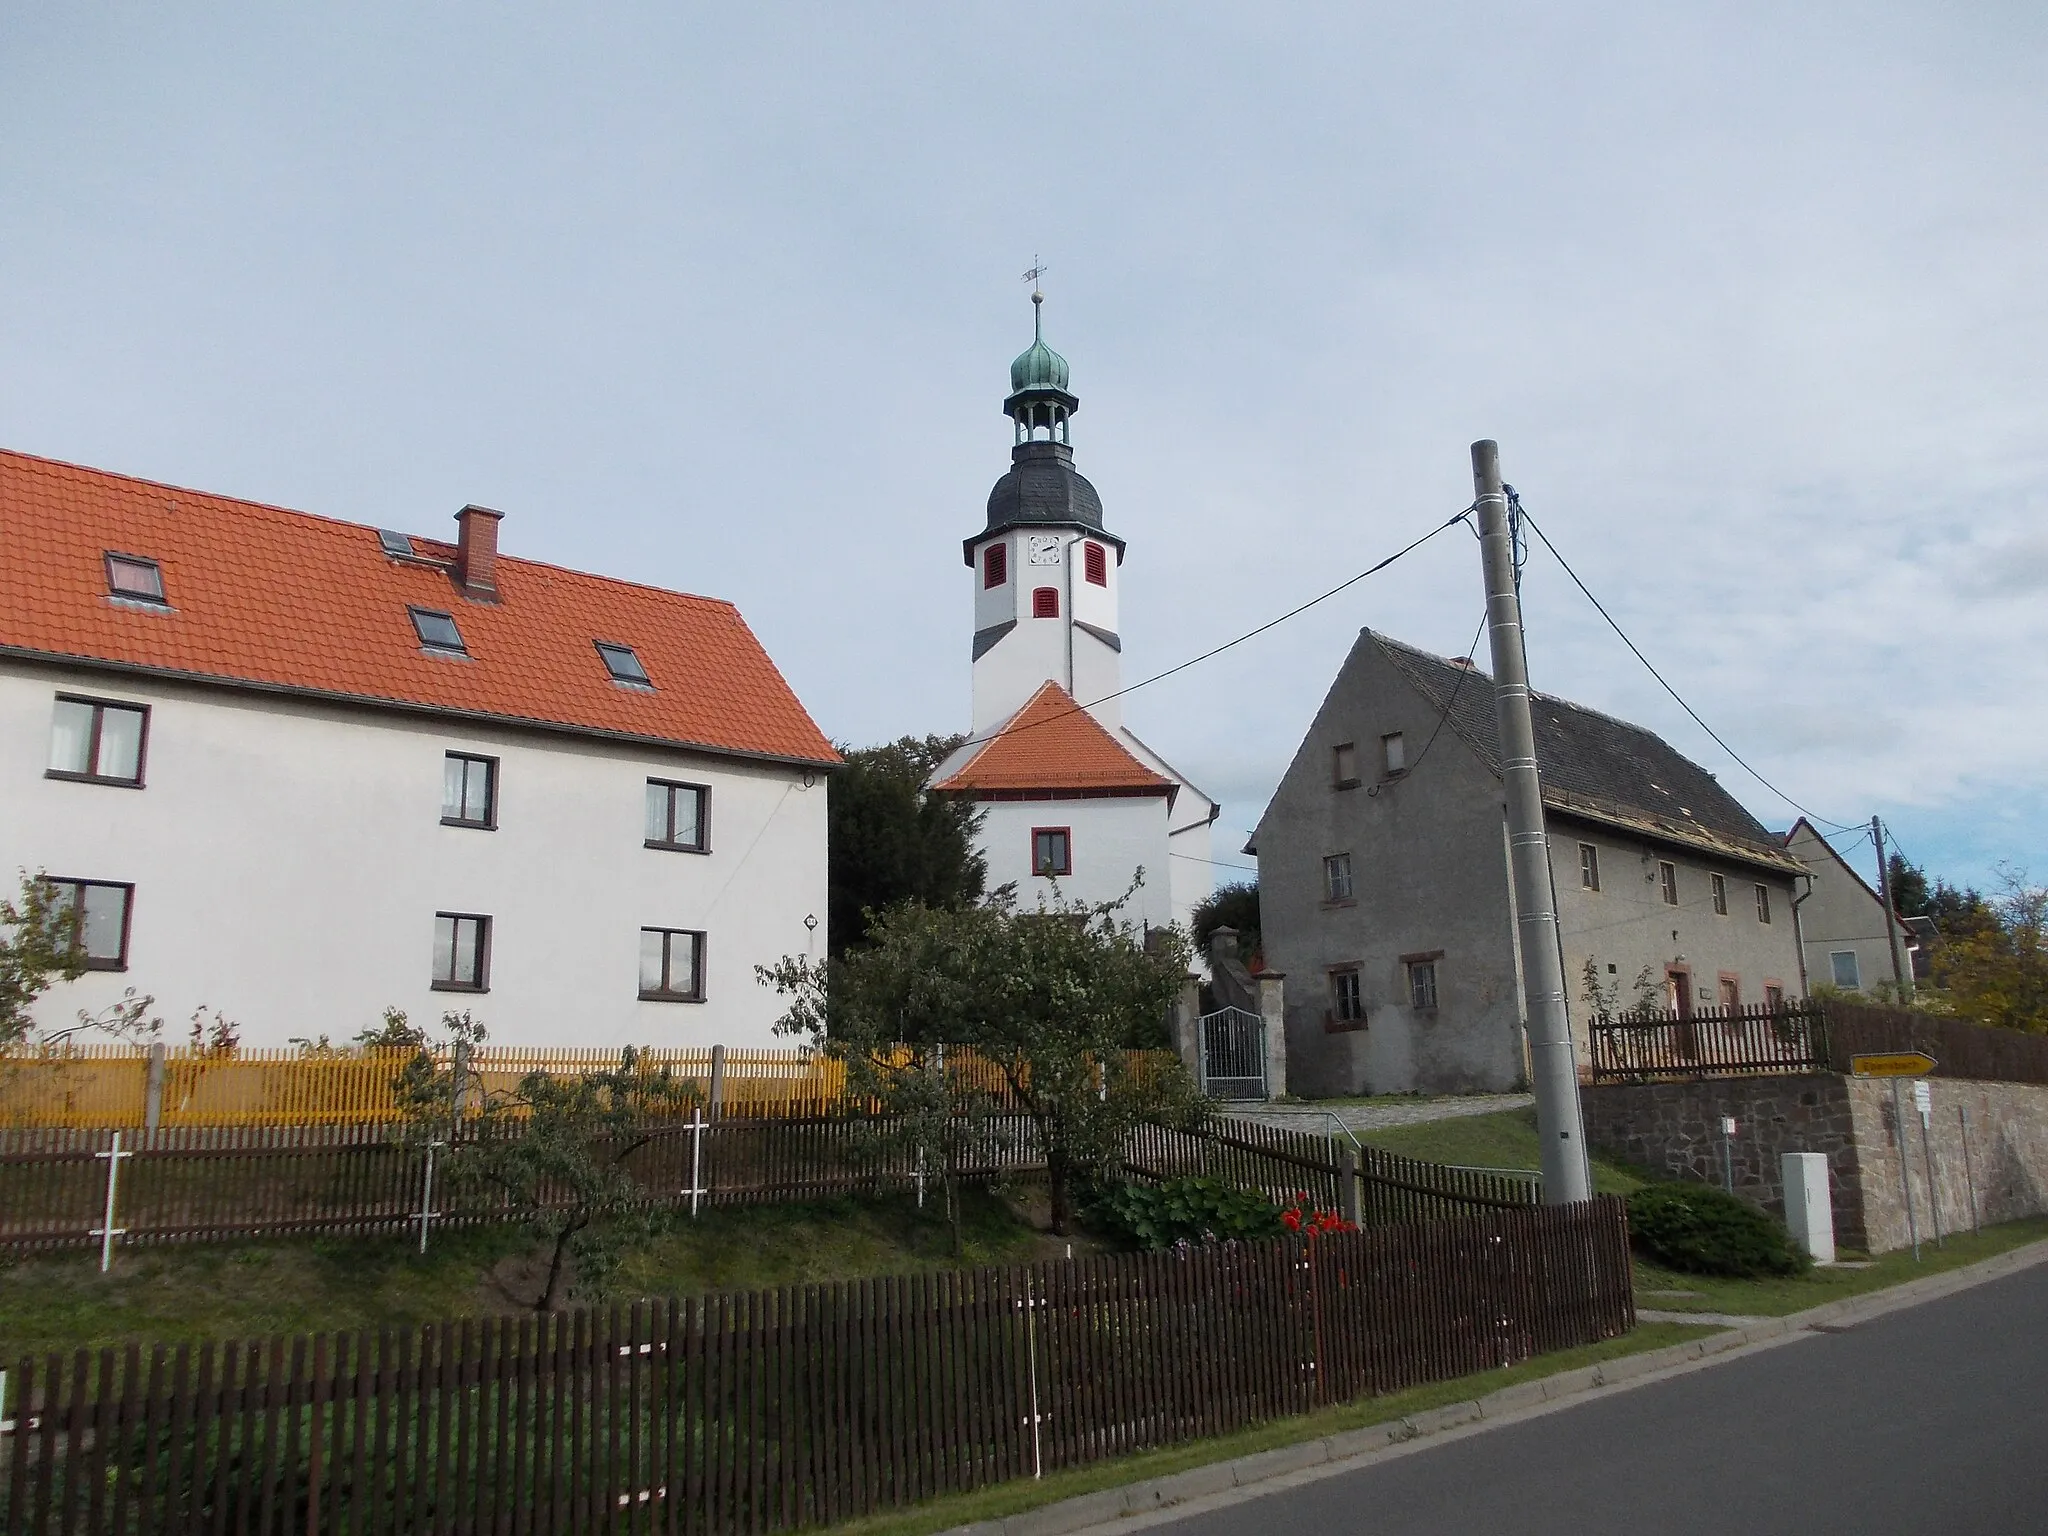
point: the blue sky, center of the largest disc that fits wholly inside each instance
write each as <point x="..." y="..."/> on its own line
<point x="722" y="299"/>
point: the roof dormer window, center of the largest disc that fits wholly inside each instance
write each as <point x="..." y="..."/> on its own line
<point x="623" y="664"/>
<point x="437" y="631"/>
<point x="135" y="577"/>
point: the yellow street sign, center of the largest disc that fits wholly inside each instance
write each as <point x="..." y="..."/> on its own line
<point x="1892" y="1064"/>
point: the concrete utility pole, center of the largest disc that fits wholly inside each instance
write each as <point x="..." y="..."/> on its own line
<point x="1891" y="922"/>
<point x="1552" y="1064"/>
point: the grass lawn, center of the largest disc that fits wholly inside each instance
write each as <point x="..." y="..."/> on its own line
<point x="1503" y="1140"/>
<point x="1015" y="1497"/>
<point x="176" y="1293"/>
<point x="1776" y="1298"/>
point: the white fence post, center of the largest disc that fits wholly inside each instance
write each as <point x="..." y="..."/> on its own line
<point x="107" y="1231"/>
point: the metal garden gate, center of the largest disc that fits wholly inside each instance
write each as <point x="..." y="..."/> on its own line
<point x="1233" y="1054"/>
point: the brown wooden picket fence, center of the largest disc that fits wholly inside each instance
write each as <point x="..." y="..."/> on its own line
<point x="803" y="1406"/>
<point x="214" y="1185"/>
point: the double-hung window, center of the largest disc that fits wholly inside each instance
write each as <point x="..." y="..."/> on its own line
<point x="1347" y="997"/>
<point x="1422" y="984"/>
<point x="1720" y="895"/>
<point x="1589" y="867"/>
<point x="462" y="952"/>
<point x="1667" y="881"/>
<point x="671" y="965"/>
<point x="678" y="816"/>
<point x="1337" y="877"/>
<point x="469" y="791"/>
<point x="97" y="741"/>
<point x="98" y="911"/>
<point x="1763" y="903"/>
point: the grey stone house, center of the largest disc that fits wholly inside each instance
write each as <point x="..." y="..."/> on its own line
<point x="1385" y="899"/>
<point x="1842" y="921"/>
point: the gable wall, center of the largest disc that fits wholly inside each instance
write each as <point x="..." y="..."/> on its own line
<point x="1429" y="872"/>
<point x="1842" y="914"/>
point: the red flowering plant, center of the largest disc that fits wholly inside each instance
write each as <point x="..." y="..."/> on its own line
<point x="1308" y="1220"/>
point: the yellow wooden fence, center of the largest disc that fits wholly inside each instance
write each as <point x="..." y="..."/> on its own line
<point x="109" y="1086"/>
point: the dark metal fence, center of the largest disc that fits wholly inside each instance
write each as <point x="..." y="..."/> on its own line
<point x="804" y="1406"/>
<point x="1806" y="1037"/>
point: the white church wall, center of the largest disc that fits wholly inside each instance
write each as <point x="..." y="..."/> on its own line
<point x="998" y="604"/>
<point x="1112" y="838"/>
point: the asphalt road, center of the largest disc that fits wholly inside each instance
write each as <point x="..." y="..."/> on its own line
<point x="1930" y="1419"/>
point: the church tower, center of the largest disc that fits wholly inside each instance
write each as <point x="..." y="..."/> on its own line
<point x="1045" y="569"/>
<point x="1070" y="799"/>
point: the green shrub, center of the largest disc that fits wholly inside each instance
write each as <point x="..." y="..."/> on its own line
<point x="1157" y="1216"/>
<point x="1708" y="1232"/>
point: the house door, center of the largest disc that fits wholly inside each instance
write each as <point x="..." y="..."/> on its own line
<point x="1679" y="985"/>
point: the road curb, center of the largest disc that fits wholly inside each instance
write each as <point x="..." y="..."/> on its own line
<point x="1109" y="1507"/>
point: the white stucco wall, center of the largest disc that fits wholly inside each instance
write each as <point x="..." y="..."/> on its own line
<point x="1112" y="839"/>
<point x="1037" y="650"/>
<point x="288" y="860"/>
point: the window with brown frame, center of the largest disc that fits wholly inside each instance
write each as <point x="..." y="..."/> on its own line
<point x="995" y="565"/>
<point x="1720" y="895"/>
<point x="1337" y="877"/>
<point x="1095" y="563"/>
<point x="462" y="952"/>
<point x="469" y="791"/>
<point x="1347" y="997"/>
<point x="678" y="816"/>
<point x="1045" y="603"/>
<point x="137" y="578"/>
<point x="1052" y="850"/>
<point x="100" y="910"/>
<point x="1730" y="991"/>
<point x="671" y="965"/>
<point x="96" y="741"/>
<point x="1422" y="984"/>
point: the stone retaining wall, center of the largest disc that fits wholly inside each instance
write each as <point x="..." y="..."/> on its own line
<point x="1673" y="1129"/>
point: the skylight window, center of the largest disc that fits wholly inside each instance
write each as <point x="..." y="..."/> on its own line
<point x="623" y="664"/>
<point x="437" y="631"/>
<point x="135" y="577"/>
<point x="397" y="545"/>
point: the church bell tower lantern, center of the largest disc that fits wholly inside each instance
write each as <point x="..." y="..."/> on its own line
<point x="1045" y="569"/>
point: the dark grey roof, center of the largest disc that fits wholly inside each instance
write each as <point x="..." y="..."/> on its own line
<point x="1591" y="763"/>
<point x="1042" y="486"/>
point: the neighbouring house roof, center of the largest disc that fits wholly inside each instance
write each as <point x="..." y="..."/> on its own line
<point x="1812" y="834"/>
<point x="1594" y="766"/>
<point x="1051" y="744"/>
<point x="259" y="596"/>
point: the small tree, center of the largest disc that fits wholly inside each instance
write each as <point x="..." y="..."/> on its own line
<point x="1229" y="906"/>
<point x="894" y="841"/>
<point x="1053" y="998"/>
<point x="38" y="948"/>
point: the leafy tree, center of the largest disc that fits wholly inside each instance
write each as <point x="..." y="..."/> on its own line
<point x="892" y="841"/>
<point x="1052" y="998"/>
<point x="1229" y="906"/>
<point x="38" y="947"/>
<point x="1991" y="960"/>
<point x="553" y="1150"/>
<point x="1910" y="894"/>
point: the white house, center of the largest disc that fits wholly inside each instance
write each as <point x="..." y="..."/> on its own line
<point x="1069" y="795"/>
<point x="299" y="770"/>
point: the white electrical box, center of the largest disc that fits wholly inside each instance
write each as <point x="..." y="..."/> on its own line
<point x="1808" y="1210"/>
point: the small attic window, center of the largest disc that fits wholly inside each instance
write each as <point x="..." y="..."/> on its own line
<point x="397" y="545"/>
<point x="623" y="664"/>
<point x="437" y="631"/>
<point x="136" y="577"/>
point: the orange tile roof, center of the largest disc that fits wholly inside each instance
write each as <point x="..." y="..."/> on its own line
<point x="282" y="599"/>
<point x="1053" y="743"/>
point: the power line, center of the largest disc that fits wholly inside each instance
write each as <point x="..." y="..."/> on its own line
<point x="1250" y="634"/>
<point x="1196" y="858"/>
<point x="1445" y="713"/>
<point x="1639" y="656"/>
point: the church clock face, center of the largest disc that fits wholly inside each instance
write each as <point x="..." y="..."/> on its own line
<point x="1043" y="549"/>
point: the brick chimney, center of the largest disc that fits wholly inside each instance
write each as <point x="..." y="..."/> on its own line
<point x="476" y="551"/>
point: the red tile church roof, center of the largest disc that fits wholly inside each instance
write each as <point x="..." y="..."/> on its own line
<point x="1052" y="743"/>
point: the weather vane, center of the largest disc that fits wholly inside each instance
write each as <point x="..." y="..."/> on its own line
<point x="1038" y="270"/>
